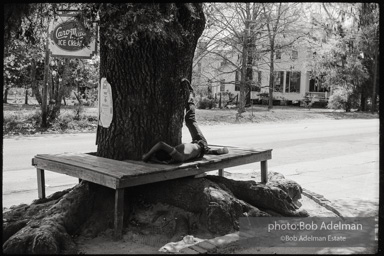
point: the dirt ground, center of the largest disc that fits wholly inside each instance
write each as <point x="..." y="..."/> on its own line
<point x="146" y="243"/>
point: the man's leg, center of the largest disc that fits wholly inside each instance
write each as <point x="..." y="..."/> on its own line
<point x="197" y="135"/>
<point x="177" y="156"/>
<point x="190" y="122"/>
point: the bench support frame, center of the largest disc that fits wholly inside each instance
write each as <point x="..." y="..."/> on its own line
<point x="264" y="172"/>
<point x="75" y="165"/>
<point x="40" y="182"/>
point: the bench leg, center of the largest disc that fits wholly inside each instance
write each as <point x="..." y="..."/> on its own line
<point x="221" y="172"/>
<point x="119" y="213"/>
<point x="40" y="183"/>
<point x="264" y="172"/>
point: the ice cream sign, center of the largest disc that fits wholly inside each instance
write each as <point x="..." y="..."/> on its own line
<point x="69" y="38"/>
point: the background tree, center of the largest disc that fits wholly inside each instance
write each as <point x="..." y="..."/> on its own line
<point x="252" y="32"/>
<point x="27" y="63"/>
<point x="367" y="40"/>
<point x="230" y="36"/>
<point x="285" y="26"/>
<point x="347" y="59"/>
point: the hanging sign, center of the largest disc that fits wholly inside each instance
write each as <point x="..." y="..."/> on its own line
<point x="69" y="38"/>
<point x="105" y="103"/>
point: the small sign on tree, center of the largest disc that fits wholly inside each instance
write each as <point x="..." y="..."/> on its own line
<point x="68" y="38"/>
<point x="105" y="103"/>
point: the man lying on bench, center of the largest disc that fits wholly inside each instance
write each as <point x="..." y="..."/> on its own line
<point x="164" y="153"/>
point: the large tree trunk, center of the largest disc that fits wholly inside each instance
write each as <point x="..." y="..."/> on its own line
<point x="145" y="69"/>
<point x="210" y="206"/>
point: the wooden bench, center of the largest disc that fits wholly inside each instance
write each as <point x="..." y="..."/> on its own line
<point x="121" y="174"/>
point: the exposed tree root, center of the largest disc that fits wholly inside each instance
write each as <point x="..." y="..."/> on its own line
<point x="210" y="205"/>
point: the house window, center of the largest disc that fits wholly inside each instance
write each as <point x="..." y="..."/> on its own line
<point x="292" y="82"/>
<point x="237" y="80"/>
<point x="259" y="78"/>
<point x="278" y="54"/>
<point x="256" y="81"/>
<point x="278" y="81"/>
<point x="222" y="85"/>
<point x="295" y="54"/>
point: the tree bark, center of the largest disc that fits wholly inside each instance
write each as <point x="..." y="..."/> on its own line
<point x="271" y="76"/>
<point x="145" y="75"/>
<point x="374" y="93"/>
<point x="58" y="93"/>
<point x="5" y="97"/>
<point x="46" y="226"/>
<point x="26" y="96"/>
<point x="243" y="82"/>
<point x="34" y="84"/>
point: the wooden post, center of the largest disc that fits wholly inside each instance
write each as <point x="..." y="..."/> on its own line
<point x="40" y="183"/>
<point x="44" y="107"/>
<point x="119" y="213"/>
<point x="264" y="172"/>
<point x="221" y="172"/>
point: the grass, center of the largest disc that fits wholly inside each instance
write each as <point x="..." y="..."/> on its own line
<point x="20" y="119"/>
<point x="25" y="120"/>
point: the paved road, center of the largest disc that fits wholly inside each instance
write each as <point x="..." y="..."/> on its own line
<point x="335" y="158"/>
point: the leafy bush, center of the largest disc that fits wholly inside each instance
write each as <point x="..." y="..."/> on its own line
<point x="205" y="103"/>
<point x="21" y="122"/>
<point x="35" y="118"/>
<point x="63" y="122"/>
<point x="338" y="99"/>
<point x="343" y="99"/>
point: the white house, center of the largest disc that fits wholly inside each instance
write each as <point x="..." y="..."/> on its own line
<point x="293" y="80"/>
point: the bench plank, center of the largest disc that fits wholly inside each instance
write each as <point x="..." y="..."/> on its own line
<point x="102" y="165"/>
<point x="77" y="172"/>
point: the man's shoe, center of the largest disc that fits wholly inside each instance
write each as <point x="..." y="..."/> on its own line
<point x="221" y="151"/>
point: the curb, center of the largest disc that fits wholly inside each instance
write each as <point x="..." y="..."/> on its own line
<point x="321" y="200"/>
